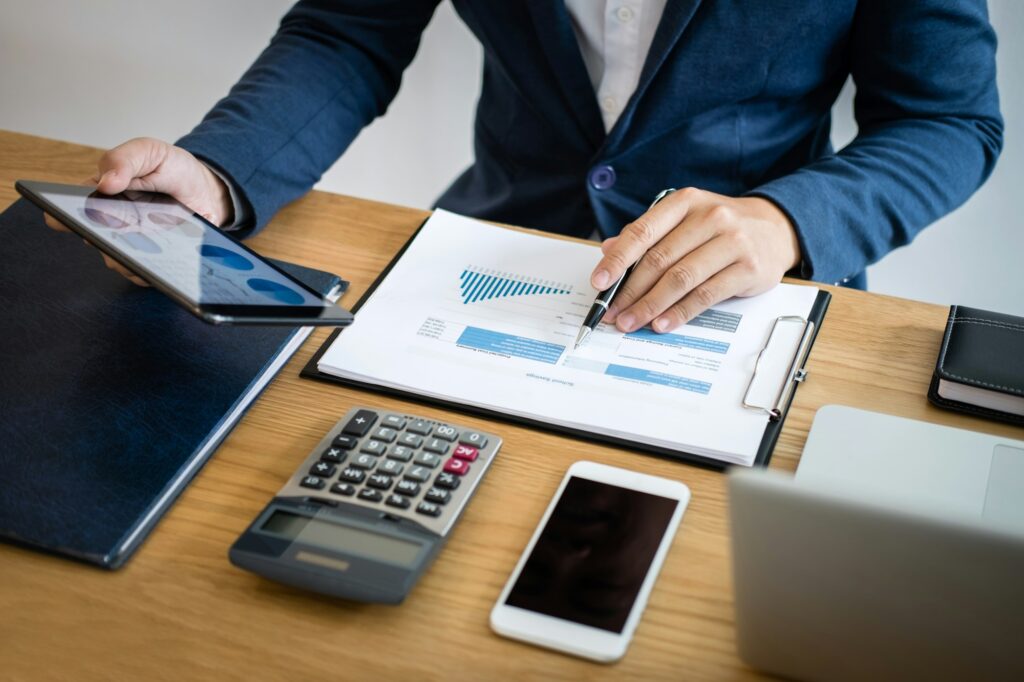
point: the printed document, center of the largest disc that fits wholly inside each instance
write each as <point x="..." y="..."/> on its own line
<point x="487" y="316"/>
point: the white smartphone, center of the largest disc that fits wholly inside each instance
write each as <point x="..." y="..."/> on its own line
<point x="584" y="579"/>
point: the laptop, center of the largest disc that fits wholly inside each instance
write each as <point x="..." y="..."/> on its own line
<point x="896" y="553"/>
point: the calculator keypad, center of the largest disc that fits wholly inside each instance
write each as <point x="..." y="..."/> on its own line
<point x="400" y="464"/>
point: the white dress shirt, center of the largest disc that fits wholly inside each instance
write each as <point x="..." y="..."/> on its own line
<point x="615" y="37"/>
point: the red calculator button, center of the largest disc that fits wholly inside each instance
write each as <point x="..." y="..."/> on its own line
<point x="455" y="466"/>
<point x="466" y="452"/>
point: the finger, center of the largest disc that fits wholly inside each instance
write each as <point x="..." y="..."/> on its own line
<point x="53" y="223"/>
<point x="642" y="234"/>
<point x="123" y="271"/>
<point x="608" y="243"/>
<point x="126" y="162"/>
<point x="690" y="235"/>
<point x="677" y="282"/>
<point x="726" y="284"/>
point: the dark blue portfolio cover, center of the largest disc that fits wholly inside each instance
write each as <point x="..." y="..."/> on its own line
<point x="111" y="395"/>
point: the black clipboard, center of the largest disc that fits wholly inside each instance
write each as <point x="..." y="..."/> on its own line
<point x="777" y="412"/>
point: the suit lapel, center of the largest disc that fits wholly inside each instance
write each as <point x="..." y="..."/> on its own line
<point x="554" y="29"/>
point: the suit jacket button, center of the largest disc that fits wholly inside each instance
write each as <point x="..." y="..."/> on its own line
<point x="602" y="177"/>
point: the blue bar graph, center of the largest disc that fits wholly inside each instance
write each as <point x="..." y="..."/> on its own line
<point x="647" y="376"/>
<point x="660" y="378"/>
<point x="477" y="286"/>
<point x="509" y="344"/>
<point x="680" y="340"/>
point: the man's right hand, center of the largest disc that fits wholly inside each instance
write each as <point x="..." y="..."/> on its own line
<point x="155" y="166"/>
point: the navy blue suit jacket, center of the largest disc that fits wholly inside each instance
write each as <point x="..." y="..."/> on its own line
<point x="734" y="97"/>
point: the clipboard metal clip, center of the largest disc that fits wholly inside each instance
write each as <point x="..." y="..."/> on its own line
<point x="768" y="366"/>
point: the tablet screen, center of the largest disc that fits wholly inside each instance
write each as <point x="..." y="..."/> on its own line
<point x="168" y="240"/>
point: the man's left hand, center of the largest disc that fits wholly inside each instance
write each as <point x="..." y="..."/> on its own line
<point x="695" y="249"/>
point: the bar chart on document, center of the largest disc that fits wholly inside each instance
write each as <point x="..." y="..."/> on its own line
<point x="524" y="320"/>
<point x="487" y="316"/>
<point x="528" y="311"/>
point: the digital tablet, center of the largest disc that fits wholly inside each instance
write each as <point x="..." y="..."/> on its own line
<point x="177" y="251"/>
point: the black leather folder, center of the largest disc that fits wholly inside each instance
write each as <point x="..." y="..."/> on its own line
<point x="980" y="369"/>
<point x="112" y="396"/>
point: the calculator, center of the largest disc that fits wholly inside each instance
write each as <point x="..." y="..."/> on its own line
<point x="369" y="509"/>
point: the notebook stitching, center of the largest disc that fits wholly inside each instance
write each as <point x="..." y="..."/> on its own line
<point x="991" y="323"/>
<point x="945" y="345"/>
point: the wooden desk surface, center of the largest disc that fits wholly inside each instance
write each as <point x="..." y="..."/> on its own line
<point x="178" y="610"/>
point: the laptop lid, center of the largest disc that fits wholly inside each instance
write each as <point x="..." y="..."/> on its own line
<point x="932" y="467"/>
<point x="828" y="586"/>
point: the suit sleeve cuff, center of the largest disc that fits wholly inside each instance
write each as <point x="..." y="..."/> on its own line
<point x="780" y="193"/>
<point x="240" y="209"/>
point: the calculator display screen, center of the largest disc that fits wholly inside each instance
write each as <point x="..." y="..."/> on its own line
<point x="590" y="561"/>
<point x="342" y="538"/>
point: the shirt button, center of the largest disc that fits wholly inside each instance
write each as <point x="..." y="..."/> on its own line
<point x="609" y="104"/>
<point x="624" y="14"/>
<point x="602" y="177"/>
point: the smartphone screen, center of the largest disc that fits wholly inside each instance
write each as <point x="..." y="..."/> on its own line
<point x="592" y="556"/>
<point x="167" y="239"/>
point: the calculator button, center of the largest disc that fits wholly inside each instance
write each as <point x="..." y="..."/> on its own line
<point x="334" y="454"/>
<point x="393" y="421"/>
<point x="379" y="481"/>
<point x="343" y="489"/>
<point x="427" y="460"/>
<point x="436" y="445"/>
<point x="352" y="475"/>
<point x="428" y="508"/>
<point x="466" y="452"/>
<point x="418" y="473"/>
<point x="345" y="442"/>
<point x="446" y="480"/>
<point x="457" y="466"/>
<point x="398" y="501"/>
<point x="373" y="447"/>
<point x="448" y="433"/>
<point x="314" y="482"/>
<point x="437" y="496"/>
<point x="420" y="426"/>
<point x="473" y="438"/>
<point x="400" y="452"/>
<point x="385" y="434"/>
<point x="370" y="495"/>
<point x="323" y="469"/>
<point x="364" y="461"/>
<point x="360" y="423"/>
<point x="390" y="466"/>
<point x="410" y="488"/>
<point x="411" y="439"/>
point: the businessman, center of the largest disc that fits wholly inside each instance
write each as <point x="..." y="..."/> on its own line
<point x="589" y="108"/>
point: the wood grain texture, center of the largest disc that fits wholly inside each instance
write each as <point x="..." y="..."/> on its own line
<point x="179" y="610"/>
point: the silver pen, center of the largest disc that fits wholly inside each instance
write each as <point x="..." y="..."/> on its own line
<point x="604" y="299"/>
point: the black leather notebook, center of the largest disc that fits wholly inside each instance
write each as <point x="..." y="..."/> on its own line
<point x="980" y="369"/>
<point x="764" y="451"/>
<point x="112" y="397"/>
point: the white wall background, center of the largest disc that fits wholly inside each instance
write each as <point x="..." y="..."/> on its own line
<point x="107" y="70"/>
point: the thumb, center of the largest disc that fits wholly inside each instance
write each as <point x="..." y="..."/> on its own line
<point x="134" y="159"/>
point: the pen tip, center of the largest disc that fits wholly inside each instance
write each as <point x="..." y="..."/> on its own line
<point x="581" y="337"/>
